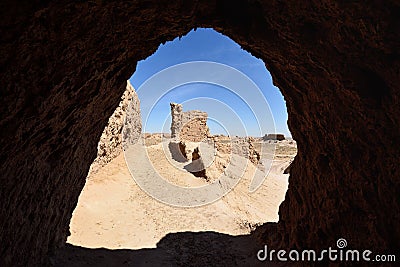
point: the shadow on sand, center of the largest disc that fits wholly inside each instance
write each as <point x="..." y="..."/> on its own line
<point x="176" y="151"/>
<point x="175" y="249"/>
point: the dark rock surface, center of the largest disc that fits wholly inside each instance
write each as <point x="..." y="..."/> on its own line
<point x="63" y="68"/>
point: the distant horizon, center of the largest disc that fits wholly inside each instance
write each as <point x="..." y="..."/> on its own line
<point x="233" y="111"/>
<point x="168" y="133"/>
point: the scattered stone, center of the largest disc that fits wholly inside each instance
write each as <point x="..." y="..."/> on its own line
<point x="197" y="167"/>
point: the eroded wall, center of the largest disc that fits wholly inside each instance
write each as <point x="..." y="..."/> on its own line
<point x="63" y="71"/>
<point x="188" y="125"/>
<point x="110" y="144"/>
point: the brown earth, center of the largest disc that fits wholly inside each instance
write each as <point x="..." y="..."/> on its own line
<point x="113" y="212"/>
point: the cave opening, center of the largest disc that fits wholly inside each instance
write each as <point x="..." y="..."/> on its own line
<point x="64" y="69"/>
<point x="114" y="212"/>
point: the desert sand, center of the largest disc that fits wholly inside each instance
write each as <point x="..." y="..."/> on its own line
<point x="114" y="212"/>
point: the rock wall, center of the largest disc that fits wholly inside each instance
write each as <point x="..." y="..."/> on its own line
<point x="189" y="125"/>
<point x="242" y="146"/>
<point x="132" y="128"/>
<point x="110" y="144"/>
<point x="63" y="68"/>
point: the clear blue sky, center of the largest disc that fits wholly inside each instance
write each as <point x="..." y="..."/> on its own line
<point x="234" y="105"/>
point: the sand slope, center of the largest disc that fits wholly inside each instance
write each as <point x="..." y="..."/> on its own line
<point x="113" y="212"/>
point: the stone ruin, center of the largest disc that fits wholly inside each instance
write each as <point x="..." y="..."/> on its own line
<point x="110" y="143"/>
<point x="189" y="125"/>
<point x="191" y="137"/>
<point x="187" y="130"/>
<point x="247" y="147"/>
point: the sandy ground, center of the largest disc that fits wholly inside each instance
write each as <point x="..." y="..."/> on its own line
<point x="114" y="212"/>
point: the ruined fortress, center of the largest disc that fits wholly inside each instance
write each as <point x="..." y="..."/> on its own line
<point x="191" y="126"/>
<point x="188" y="125"/>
